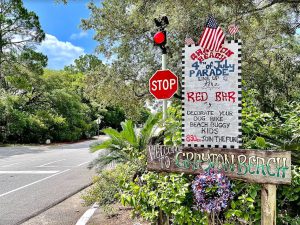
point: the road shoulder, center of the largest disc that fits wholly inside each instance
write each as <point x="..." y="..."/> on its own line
<point x="67" y="212"/>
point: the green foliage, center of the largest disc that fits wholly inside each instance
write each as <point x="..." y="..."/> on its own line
<point x="106" y="87"/>
<point x="289" y="203"/>
<point x="170" y="193"/>
<point x="107" y="185"/>
<point x="173" y="132"/>
<point x="36" y="105"/>
<point x="49" y="108"/>
<point x="245" y="207"/>
<point x="17" y="21"/>
<point x="84" y="64"/>
<point x="124" y="30"/>
<point x="152" y="192"/>
<point x="112" y="117"/>
<point x="129" y="144"/>
<point x="274" y="130"/>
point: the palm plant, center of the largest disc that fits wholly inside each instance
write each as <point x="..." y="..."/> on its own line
<point x="127" y="145"/>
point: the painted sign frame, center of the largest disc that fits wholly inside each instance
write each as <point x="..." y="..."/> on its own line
<point x="205" y="118"/>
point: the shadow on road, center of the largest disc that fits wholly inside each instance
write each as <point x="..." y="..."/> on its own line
<point x="6" y="152"/>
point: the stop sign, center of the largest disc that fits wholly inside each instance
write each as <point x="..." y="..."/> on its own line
<point x="163" y="84"/>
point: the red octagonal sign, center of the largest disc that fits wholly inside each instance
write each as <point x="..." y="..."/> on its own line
<point x="163" y="84"/>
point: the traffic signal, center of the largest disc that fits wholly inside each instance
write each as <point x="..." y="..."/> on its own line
<point x="160" y="37"/>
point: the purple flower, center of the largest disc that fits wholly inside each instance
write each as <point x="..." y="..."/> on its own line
<point x="212" y="191"/>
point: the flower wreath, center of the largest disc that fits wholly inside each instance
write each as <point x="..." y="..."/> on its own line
<point x="212" y="191"/>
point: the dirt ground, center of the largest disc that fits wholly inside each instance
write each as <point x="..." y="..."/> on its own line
<point x="116" y="215"/>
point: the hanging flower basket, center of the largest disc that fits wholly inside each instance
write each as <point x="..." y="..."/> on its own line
<point x="212" y="191"/>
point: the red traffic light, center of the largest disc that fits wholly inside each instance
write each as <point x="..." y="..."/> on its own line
<point x="159" y="38"/>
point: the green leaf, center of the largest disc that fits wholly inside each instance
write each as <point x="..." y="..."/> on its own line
<point x="249" y="199"/>
<point x="261" y="142"/>
<point x="233" y="205"/>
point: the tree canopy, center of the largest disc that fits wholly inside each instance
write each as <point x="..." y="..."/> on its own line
<point x="19" y="30"/>
<point x="124" y="30"/>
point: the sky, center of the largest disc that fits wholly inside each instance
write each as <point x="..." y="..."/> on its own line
<point x="65" y="40"/>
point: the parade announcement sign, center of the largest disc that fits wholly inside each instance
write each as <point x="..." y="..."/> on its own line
<point x="212" y="96"/>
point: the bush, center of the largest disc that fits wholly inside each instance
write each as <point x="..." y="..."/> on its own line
<point x="171" y="193"/>
<point x="150" y="193"/>
<point x="107" y="185"/>
<point x="112" y="117"/>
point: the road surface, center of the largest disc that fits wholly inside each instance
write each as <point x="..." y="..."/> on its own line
<point x="34" y="178"/>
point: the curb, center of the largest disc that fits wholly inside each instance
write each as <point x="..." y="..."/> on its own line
<point x="88" y="214"/>
<point x="54" y="204"/>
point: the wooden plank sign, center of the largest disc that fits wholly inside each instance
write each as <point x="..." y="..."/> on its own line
<point x="211" y="91"/>
<point x="257" y="166"/>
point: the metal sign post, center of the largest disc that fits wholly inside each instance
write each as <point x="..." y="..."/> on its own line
<point x="98" y="121"/>
<point x="160" y="39"/>
<point x="164" y="67"/>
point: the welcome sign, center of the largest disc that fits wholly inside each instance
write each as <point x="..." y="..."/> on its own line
<point x="211" y="102"/>
<point x="259" y="166"/>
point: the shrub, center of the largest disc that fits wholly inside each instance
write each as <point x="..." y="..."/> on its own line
<point x="107" y="185"/>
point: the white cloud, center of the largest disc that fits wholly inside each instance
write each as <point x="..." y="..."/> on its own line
<point x="59" y="53"/>
<point x="79" y="35"/>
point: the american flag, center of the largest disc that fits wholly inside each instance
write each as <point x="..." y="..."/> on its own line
<point x="213" y="37"/>
<point x="233" y="29"/>
<point x="189" y="41"/>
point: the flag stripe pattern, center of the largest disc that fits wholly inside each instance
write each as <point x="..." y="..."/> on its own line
<point x="189" y="41"/>
<point x="233" y="29"/>
<point x="213" y="37"/>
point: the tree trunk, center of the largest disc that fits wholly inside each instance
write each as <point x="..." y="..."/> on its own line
<point x="163" y="219"/>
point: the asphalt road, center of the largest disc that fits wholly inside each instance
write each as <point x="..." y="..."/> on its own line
<point x="34" y="178"/>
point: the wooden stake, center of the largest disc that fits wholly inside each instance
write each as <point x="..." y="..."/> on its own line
<point x="268" y="204"/>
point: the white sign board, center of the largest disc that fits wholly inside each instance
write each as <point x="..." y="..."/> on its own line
<point x="211" y="91"/>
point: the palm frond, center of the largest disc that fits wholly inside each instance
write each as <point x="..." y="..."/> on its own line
<point x="128" y="133"/>
<point x="103" y="161"/>
<point x="148" y="129"/>
<point x="112" y="133"/>
<point x="116" y="137"/>
<point x="126" y="145"/>
<point x="104" y="145"/>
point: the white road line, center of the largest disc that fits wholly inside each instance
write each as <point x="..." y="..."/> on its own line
<point x="58" y="166"/>
<point x="29" y="172"/>
<point x="27" y="185"/>
<point x="51" y="162"/>
<point x="81" y="164"/>
<point x="87" y="215"/>
<point x="10" y="165"/>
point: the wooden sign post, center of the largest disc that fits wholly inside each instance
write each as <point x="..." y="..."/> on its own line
<point x="268" y="204"/>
